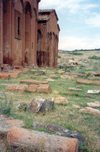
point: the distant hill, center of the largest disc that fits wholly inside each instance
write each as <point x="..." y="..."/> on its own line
<point x="80" y="50"/>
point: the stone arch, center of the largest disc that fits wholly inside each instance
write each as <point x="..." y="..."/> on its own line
<point x="28" y="15"/>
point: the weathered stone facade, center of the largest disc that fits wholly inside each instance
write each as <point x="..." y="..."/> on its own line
<point x="19" y="36"/>
<point x="18" y="32"/>
<point x="48" y="37"/>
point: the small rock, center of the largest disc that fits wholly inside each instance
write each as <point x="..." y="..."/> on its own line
<point x="22" y="106"/>
<point x="92" y="111"/>
<point x="93" y="91"/>
<point x="94" y="104"/>
<point x="40" y="105"/>
<point x="60" y="100"/>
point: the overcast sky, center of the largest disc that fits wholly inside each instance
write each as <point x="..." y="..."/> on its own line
<point x="79" y="22"/>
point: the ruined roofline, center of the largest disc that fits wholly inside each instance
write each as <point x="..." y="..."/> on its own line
<point x="58" y="27"/>
<point x="48" y="11"/>
<point x="43" y="18"/>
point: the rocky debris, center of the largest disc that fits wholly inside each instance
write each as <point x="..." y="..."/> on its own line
<point x="74" y="89"/>
<point x="22" y="106"/>
<point x="94" y="104"/>
<point x="17" y="87"/>
<point x="32" y="88"/>
<point x="4" y="76"/>
<point x="71" y="93"/>
<point x="94" y="91"/>
<point x="73" y="62"/>
<point x="84" y="81"/>
<point x="40" y="105"/>
<point x="54" y="77"/>
<point x="61" y="100"/>
<point x="42" y="88"/>
<point x="39" y="73"/>
<point x="49" y="79"/>
<point x="68" y="77"/>
<point x="59" y="130"/>
<point x="33" y="82"/>
<point x="90" y="110"/>
<point x="39" y="141"/>
<point x="76" y="106"/>
<point x="14" y="74"/>
<point x="7" y="122"/>
<point x="61" y="71"/>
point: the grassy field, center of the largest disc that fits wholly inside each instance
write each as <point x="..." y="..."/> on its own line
<point x="66" y="115"/>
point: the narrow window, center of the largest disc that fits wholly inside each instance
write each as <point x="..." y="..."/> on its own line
<point x="18" y="28"/>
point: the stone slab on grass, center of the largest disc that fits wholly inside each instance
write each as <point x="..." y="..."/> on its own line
<point x="61" y="100"/>
<point x="7" y="122"/>
<point x="90" y="110"/>
<point x="84" y="81"/>
<point x="42" y="88"/>
<point x="59" y="130"/>
<point x="4" y="76"/>
<point x="17" y="87"/>
<point x="94" y="104"/>
<point x="41" y="142"/>
<point x="33" y="82"/>
<point x="93" y="91"/>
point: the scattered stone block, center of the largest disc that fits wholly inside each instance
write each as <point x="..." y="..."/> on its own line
<point x="92" y="111"/>
<point x="40" y="105"/>
<point x="33" y="82"/>
<point x="14" y="74"/>
<point x="32" y="88"/>
<point x="17" y="87"/>
<point x="60" y="100"/>
<point x="59" y="130"/>
<point x="71" y="93"/>
<point x="94" y="104"/>
<point x="76" y="106"/>
<point x="74" y="89"/>
<point x="83" y="81"/>
<point x="44" y="88"/>
<point x="7" y="122"/>
<point x="40" y="141"/>
<point x="93" y="91"/>
<point x="61" y="71"/>
<point x="4" y="76"/>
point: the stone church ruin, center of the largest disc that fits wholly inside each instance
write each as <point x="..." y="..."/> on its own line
<point x="28" y="36"/>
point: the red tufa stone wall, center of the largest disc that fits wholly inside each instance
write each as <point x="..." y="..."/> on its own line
<point x="18" y="32"/>
<point x="1" y="33"/>
<point x="47" y="46"/>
